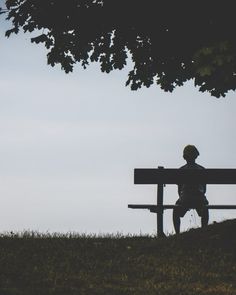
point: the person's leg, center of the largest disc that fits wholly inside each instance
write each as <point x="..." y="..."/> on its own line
<point x="176" y="220"/>
<point x="205" y="216"/>
<point x="203" y="212"/>
<point x="178" y="212"/>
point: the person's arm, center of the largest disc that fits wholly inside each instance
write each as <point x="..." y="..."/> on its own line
<point x="204" y="188"/>
<point x="179" y="189"/>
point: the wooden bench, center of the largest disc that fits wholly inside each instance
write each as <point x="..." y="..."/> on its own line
<point x="162" y="176"/>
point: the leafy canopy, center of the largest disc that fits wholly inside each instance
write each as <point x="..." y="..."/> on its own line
<point x="170" y="42"/>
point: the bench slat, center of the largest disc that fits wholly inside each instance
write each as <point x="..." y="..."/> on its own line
<point x="153" y="207"/>
<point x="192" y="176"/>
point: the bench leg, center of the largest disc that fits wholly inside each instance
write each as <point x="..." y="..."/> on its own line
<point x="160" y="211"/>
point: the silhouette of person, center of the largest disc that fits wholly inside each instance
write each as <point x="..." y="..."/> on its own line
<point x="191" y="195"/>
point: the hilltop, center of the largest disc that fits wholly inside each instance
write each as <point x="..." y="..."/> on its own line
<point x="200" y="261"/>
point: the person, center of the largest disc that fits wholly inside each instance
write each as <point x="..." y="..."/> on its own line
<point x="191" y="195"/>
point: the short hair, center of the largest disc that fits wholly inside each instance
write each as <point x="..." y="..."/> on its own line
<point x="190" y="152"/>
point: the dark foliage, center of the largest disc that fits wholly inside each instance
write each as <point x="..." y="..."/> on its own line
<point x="169" y="41"/>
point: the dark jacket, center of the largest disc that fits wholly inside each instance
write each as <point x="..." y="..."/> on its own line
<point x="192" y="192"/>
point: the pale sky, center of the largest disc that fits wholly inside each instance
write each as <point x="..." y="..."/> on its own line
<point x="69" y="144"/>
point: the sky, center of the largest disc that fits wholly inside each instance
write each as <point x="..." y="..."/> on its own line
<point x="69" y="144"/>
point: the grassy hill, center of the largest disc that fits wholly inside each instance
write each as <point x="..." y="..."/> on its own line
<point x="200" y="261"/>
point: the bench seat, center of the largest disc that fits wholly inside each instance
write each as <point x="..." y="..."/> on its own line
<point x="154" y="208"/>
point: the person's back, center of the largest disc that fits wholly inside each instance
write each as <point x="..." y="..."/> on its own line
<point x="192" y="193"/>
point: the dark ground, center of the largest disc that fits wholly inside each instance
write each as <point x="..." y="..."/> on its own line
<point x="200" y="261"/>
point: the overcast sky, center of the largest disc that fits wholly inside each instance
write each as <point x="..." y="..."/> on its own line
<point x="69" y="144"/>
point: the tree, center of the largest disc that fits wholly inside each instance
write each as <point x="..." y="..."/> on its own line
<point x="170" y="42"/>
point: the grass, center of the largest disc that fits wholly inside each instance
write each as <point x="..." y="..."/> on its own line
<point x="200" y="261"/>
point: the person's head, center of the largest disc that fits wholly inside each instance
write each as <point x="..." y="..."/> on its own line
<point x="190" y="153"/>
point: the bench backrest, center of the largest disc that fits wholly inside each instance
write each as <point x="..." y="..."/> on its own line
<point x="190" y="176"/>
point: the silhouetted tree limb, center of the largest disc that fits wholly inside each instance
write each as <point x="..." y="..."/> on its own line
<point x="170" y="42"/>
